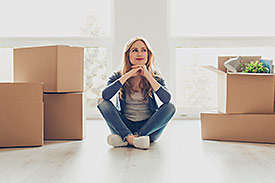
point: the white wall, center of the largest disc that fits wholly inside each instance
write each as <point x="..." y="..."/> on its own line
<point x="146" y="18"/>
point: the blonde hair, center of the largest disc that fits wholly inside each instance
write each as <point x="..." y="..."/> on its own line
<point x="126" y="67"/>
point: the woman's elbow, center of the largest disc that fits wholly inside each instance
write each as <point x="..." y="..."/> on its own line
<point x="167" y="99"/>
<point x="105" y="96"/>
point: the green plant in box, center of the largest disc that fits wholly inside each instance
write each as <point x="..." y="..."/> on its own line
<point x="254" y="67"/>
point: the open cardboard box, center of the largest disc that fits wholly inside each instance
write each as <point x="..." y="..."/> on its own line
<point x="244" y="92"/>
<point x="238" y="127"/>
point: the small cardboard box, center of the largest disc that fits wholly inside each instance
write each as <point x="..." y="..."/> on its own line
<point x="64" y="116"/>
<point x="244" y="92"/>
<point x="21" y="114"/>
<point x="60" y="68"/>
<point x="238" y="127"/>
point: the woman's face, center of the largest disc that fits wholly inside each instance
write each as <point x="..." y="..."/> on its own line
<point x="138" y="53"/>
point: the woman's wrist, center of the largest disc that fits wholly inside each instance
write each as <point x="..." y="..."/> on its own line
<point x="155" y="85"/>
<point x="124" y="78"/>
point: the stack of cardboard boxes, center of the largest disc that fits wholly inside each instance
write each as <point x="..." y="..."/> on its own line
<point x="53" y="109"/>
<point x="245" y="106"/>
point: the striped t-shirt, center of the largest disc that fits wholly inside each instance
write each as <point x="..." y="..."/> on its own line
<point x="136" y="109"/>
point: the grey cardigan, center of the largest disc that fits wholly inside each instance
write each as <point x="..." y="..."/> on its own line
<point x="113" y="85"/>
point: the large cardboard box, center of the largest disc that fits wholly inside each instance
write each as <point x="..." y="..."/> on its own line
<point x="243" y="92"/>
<point x="59" y="67"/>
<point x="64" y="116"/>
<point x="21" y="114"/>
<point x="238" y="127"/>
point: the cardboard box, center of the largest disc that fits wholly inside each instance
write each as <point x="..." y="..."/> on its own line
<point x="59" y="67"/>
<point x="21" y="114"/>
<point x="64" y="116"/>
<point x="238" y="127"/>
<point x="244" y="92"/>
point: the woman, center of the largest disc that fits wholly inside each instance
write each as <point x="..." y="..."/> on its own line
<point x="136" y="120"/>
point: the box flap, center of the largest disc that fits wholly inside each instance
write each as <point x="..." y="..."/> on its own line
<point x="253" y="74"/>
<point x="32" y="47"/>
<point x="245" y="59"/>
<point x="21" y="92"/>
<point x="222" y="92"/>
<point x="213" y="69"/>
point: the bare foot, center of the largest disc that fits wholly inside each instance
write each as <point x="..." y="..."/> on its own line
<point x="130" y="139"/>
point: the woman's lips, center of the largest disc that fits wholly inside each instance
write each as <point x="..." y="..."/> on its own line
<point x="139" y="58"/>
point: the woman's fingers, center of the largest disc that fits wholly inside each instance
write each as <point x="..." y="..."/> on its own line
<point x="135" y="66"/>
<point x="137" y="70"/>
<point x="142" y="72"/>
<point x="140" y="69"/>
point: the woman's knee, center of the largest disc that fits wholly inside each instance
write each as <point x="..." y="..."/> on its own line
<point x="169" y="107"/>
<point x="105" y="105"/>
<point x="102" y="101"/>
<point x="99" y="101"/>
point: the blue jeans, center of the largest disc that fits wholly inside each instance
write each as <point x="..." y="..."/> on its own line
<point x="122" y="126"/>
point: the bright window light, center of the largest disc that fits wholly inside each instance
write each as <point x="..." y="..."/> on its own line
<point x="222" y="18"/>
<point x="55" y="18"/>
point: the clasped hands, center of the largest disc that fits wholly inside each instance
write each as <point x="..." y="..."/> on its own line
<point x="140" y="70"/>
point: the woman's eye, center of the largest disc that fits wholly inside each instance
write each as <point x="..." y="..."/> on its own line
<point x="135" y="50"/>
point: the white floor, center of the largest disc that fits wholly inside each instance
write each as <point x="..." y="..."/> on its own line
<point x="179" y="156"/>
